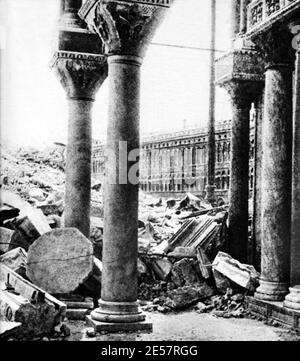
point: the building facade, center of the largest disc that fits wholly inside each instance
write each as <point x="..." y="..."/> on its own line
<point x="176" y="162"/>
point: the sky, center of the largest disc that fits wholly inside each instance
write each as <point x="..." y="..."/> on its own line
<point x="174" y="82"/>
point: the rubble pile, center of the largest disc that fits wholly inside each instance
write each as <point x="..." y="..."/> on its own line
<point x="41" y="260"/>
<point x="34" y="175"/>
<point x="188" y="266"/>
<point x="38" y="177"/>
<point x="181" y="252"/>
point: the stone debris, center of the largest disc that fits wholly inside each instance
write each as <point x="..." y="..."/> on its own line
<point x="222" y="283"/>
<point x="204" y="264"/>
<point x="60" y="260"/>
<point x="161" y="267"/>
<point x="192" y="203"/>
<point x="29" y="228"/>
<point x="183" y="297"/>
<point x="8" y="329"/>
<point x="21" y="301"/>
<point x="185" y="272"/>
<point x="5" y="239"/>
<point x="7" y="212"/>
<point x="243" y="275"/>
<point x="16" y="259"/>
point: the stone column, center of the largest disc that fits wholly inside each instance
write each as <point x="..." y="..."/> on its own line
<point x="234" y="18"/>
<point x="276" y="168"/>
<point x="81" y="76"/>
<point x="119" y="285"/>
<point x="292" y="300"/>
<point x="81" y="69"/>
<point x="239" y="168"/>
<point x="126" y="29"/>
<point x="243" y="15"/>
<point x="211" y="142"/>
<point x="256" y="222"/>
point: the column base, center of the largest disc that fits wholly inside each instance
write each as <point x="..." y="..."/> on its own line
<point x="118" y="316"/>
<point x="292" y="300"/>
<point x="271" y="291"/>
<point x="113" y="327"/>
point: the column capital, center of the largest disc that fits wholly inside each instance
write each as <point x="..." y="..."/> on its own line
<point x="276" y="46"/>
<point x="80" y="74"/>
<point x="243" y="93"/>
<point x="125" y="26"/>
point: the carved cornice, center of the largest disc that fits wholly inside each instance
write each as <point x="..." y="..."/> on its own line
<point x="81" y="75"/>
<point x="127" y="26"/>
<point x="240" y="65"/>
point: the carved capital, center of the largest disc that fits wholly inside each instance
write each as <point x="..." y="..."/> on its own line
<point x="243" y="93"/>
<point x="125" y="26"/>
<point x="276" y="46"/>
<point x="81" y="75"/>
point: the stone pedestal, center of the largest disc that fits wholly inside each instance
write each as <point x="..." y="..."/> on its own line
<point x="276" y="183"/>
<point x="126" y="28"/>
<point x="292" y="300"/>
<point x="81" y="76"/>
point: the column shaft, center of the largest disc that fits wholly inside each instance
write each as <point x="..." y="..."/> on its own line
<point x="295" y="239"/>
<point x="243" y="15"/>
<point x="78" y="166"/>
<point x="121" y="200"/>
<point x="234" y="17"/>
<point x="276" y="183"/>
<point x="292" y="300"/>
<point x="239" y="168"/>
<point x="256" y="222"/>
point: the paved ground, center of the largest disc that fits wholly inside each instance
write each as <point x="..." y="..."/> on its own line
<point x="191" y="326"/>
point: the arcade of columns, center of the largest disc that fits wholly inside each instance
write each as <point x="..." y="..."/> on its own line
<point x="96" y="35"/>
<point x="258" y="69"/>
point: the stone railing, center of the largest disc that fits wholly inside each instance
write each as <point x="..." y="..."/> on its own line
<point x="261" y="12"/>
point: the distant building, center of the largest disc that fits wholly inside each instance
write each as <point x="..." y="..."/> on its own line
<point x="176" y="162"/>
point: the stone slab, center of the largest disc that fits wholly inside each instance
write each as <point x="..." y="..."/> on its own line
<point x="119" y="327"/>
<point x="8" y="328"/>
<point x="274" y="311"/>
<point x="77" y="313"/>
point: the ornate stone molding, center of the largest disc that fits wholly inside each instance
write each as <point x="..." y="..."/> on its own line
<point x="80" y="74"/>
<point x="261" y="14"/>
<point x="125" y="26"/>
<point x="243" y="65"/>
